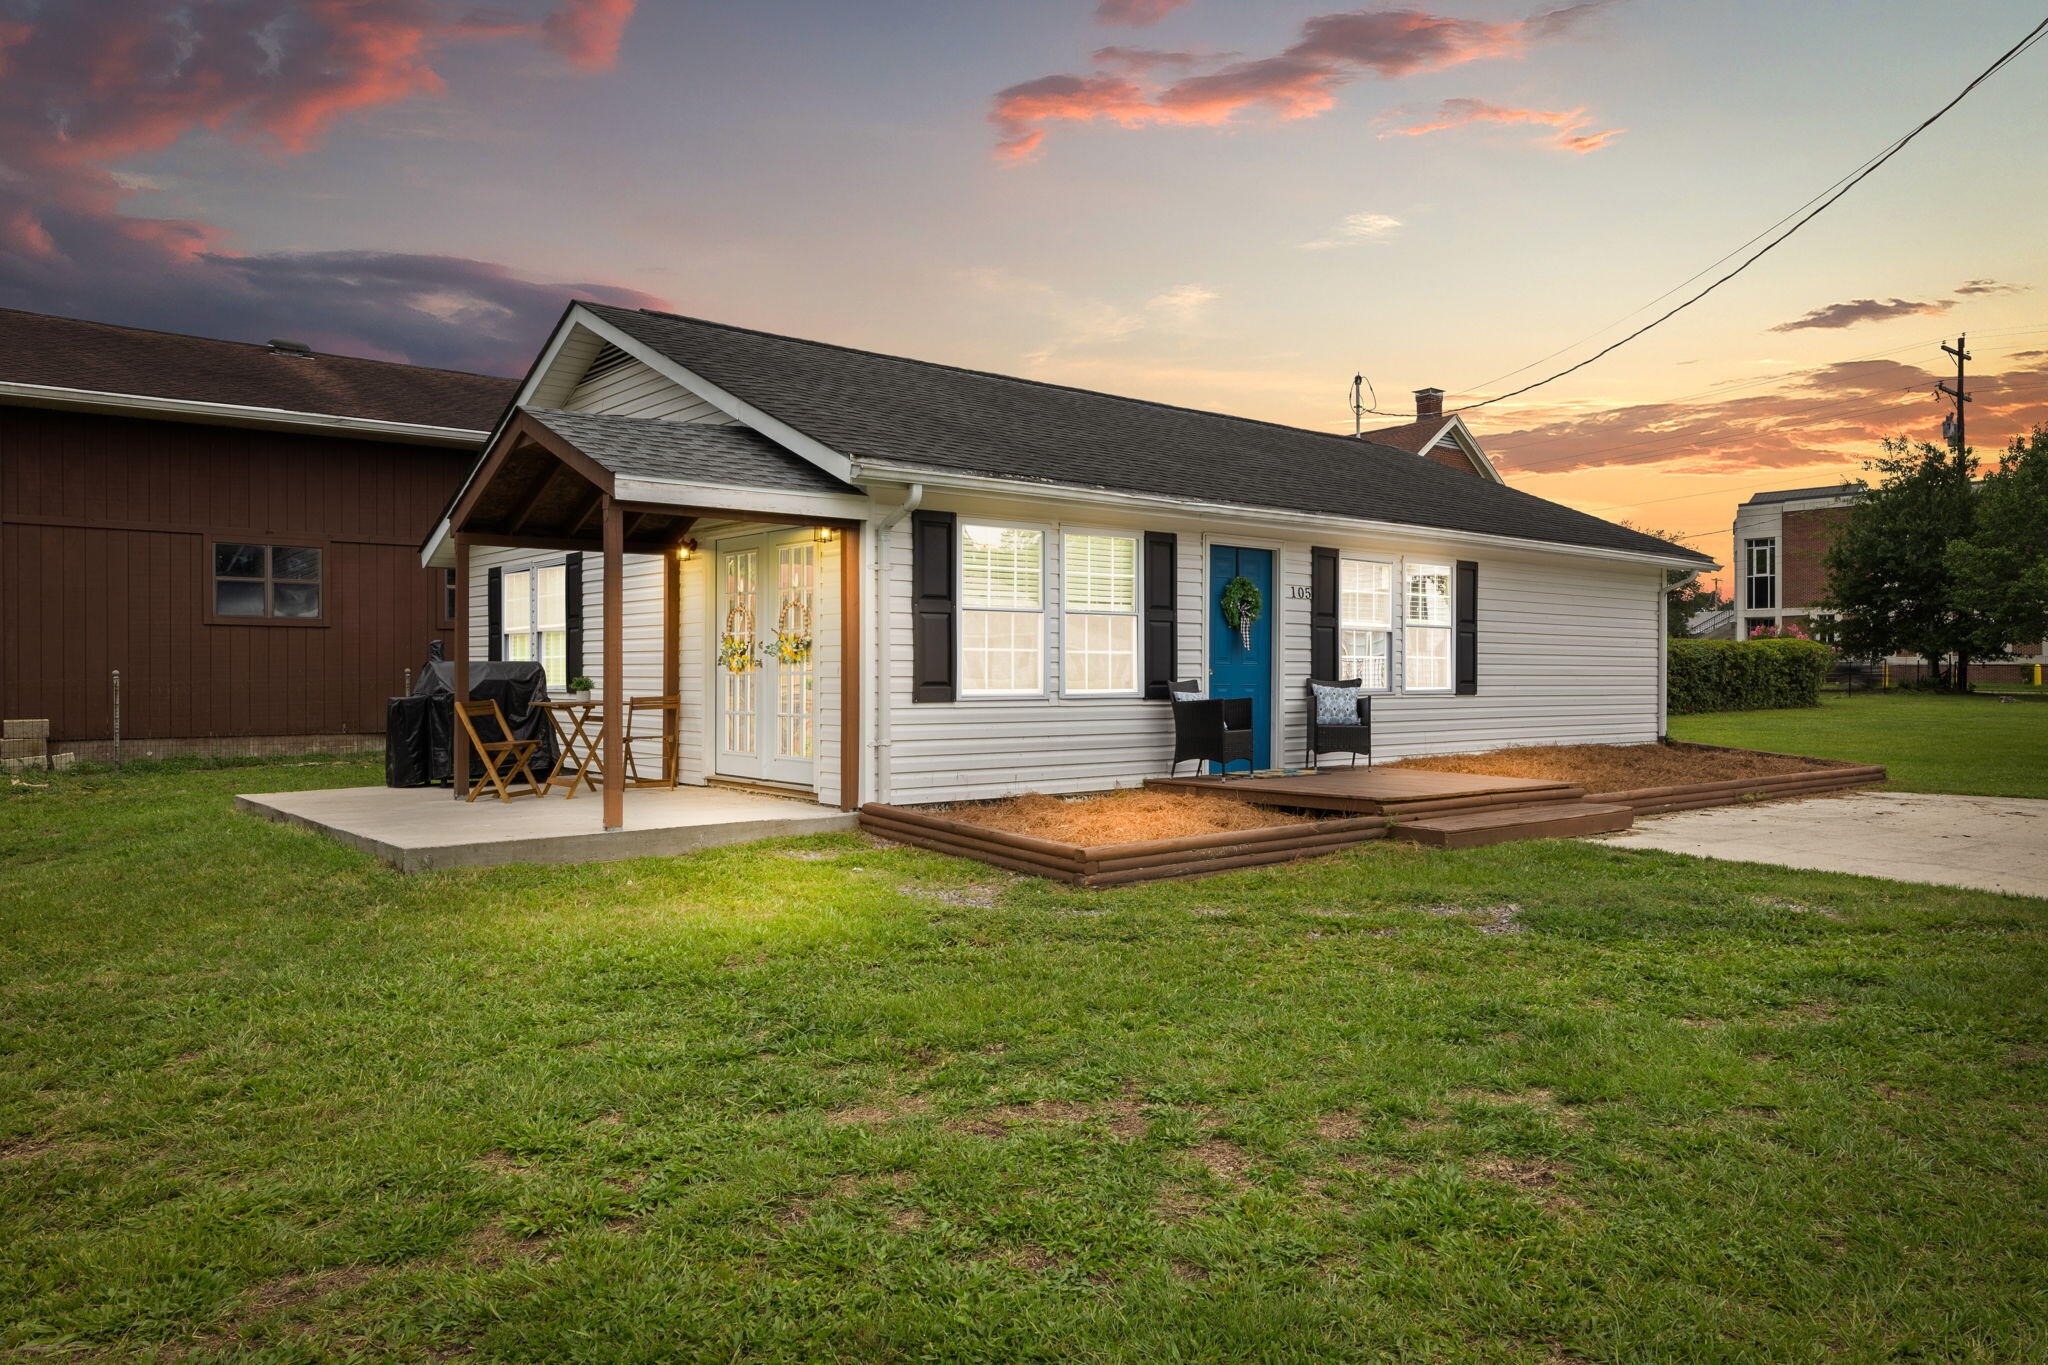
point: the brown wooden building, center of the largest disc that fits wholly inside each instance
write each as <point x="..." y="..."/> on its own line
<point x="234" y="528"/>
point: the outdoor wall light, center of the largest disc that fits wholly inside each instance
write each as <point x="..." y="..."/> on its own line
<point x="685" y="549"/>
<point x="827" y="534"/>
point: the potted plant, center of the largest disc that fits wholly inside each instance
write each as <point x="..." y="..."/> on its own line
<point x="580" y="688"/>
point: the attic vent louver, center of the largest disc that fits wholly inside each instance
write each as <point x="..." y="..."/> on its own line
<point x="281" y="346"/>
<point x="608" y="360"/>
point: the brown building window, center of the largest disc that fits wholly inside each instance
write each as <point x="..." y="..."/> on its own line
<point x="273" y="584"/>
<point x="444" y="599"/>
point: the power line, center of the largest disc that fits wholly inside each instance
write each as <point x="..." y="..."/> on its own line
<point x="1831" y="198"/>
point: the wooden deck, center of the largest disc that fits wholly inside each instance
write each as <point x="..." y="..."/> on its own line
<point x="1379" y="791"/>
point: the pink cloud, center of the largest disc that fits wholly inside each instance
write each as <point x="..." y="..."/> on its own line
<point x="90" y="87"/>
<point x="1853" y="311"/>
<point x="1466" y="113"/>
<point x="1135" y="13"/>
<point x="1300" y="82"/>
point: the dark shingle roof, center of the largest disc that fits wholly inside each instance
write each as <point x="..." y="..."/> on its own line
<point x="912" y="412"/>
<point x="71" y="353"/>
<point x="648" y="448"/>
<point x="1833" y="490"/>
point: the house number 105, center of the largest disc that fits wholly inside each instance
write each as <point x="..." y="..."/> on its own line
<point x="1298" y="591"/>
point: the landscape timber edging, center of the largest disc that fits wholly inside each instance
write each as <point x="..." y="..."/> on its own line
<point x="1735" y="791"/>
<point x="1124" y="864"/>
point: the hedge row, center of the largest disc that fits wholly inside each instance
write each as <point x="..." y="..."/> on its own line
<point x="1745" y="675"/>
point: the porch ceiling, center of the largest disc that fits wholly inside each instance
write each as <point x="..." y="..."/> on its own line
<point x="536" y="489"/>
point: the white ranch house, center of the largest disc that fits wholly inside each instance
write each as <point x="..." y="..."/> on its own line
<point x="997" y="577"/>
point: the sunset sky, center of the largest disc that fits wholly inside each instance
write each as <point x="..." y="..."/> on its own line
<point x="1228" y="205"/>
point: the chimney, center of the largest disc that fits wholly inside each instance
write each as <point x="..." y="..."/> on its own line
<point x="1429" y="404"/>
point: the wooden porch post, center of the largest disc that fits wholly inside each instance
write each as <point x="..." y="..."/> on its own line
<point x="460" y="771"/>
<point x="852" y="664"/>
<point x="671" y="655"/>
<point x="614" y="665"/>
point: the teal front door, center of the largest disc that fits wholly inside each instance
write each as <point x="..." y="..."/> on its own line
<point x="1241" y="667"/>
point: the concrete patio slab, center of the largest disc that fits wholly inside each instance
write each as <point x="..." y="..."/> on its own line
<point x="1986" y="842"/>
<point x="421" y="829"/>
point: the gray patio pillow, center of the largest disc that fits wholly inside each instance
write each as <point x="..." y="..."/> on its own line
<point x="1336" y="705"/>
<point x="1185" y="696"/>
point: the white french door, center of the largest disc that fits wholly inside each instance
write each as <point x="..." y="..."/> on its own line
<point x="764" y="683"/>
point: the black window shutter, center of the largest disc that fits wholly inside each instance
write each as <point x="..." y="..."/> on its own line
<point x="572" y="592"/>
<point x="494" y="616"/>
<point x="934" y="602"/>
<point x="1466" y="657"/>
<point x="1322" y="613"/>
<point x="1162" y="619"/>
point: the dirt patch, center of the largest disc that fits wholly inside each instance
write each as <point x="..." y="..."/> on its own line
<point x="1025" y="1257"/>
<point x="1224" y="1160"/>
<point x="1541" y="1100"/>
<point x="1487" y="919"/>
<point x="983" y="897"/>
<point x="1620" y="767"/>
<point x="503" y="1163"/>
<point x="1537" y="1177"/>
<point x="1338" y="1127"/>
<point x="890" y="1107"/>
<point x="1121" y="817"/>
<point x="294" y="1291"/>
<point x="1122" y="1113"/>
<point x="493" y="1246"/>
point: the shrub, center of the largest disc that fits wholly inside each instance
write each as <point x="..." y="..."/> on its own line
<point x="1745" y="675"/>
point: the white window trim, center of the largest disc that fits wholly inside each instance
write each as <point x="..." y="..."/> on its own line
<point x="531" y="568"/>
<point x="1048" y="588"/>
<point x="1750" y="577"/>
<point x="1449" y="629"/>
<point x="1396" y="613"/>
<point x="1136" y="613"/>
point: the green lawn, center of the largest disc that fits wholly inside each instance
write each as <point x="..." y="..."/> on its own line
<point x="821" y="1100"/>
<point x="1973" y="746"/>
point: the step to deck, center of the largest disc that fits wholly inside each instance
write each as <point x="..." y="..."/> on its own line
<point x="1551" y="820"/>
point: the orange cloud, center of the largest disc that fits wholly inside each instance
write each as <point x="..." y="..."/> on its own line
<point x="1135" y="13"/>
<point x="1466" y="113"/>
<point x="1300" y="82"/>
<point x="87" y="88"/>
<point x="1865" y="310"/>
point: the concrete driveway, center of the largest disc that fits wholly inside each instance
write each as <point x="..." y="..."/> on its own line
<point x="1992" y="843"/>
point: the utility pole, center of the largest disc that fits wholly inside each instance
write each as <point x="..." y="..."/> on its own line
<point x="1952" y="427"/>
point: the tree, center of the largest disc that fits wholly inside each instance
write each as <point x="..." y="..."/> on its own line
<point x="1685" y="596"/>
<point x="2001" y="568"/>
<point x="1891" y="589"/>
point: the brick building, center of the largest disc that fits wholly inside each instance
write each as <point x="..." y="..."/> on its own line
<point x="1781" y="543"/>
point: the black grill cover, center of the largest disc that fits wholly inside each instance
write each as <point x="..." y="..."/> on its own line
<point x="419" y="730"/>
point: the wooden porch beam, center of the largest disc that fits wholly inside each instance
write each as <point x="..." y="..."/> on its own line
<point x="584" y="511"/>
<point x="614" y="665"/>
<point x="595" y="543"/>
<point x="851" y="664"/>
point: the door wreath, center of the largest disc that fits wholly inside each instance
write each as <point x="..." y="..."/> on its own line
<point x="793" y="632"/>
<point x="737" y="650"/>
<point x="1242" y="605"/>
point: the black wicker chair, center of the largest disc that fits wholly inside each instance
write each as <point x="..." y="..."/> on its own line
<point x="1352" y="739"/>
<point x="1210" y="729"/>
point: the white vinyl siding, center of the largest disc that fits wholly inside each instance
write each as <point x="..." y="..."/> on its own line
<point x="1099" y="598"/>
<point x="1002" y="611"/>
<point x="1569" y="652"/>
<point x="1365" y="615"/>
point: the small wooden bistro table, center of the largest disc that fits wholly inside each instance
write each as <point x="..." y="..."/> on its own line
<point x="574" y="722"/>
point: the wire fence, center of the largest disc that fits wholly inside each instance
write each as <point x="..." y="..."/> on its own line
<point x="140" y="716"/>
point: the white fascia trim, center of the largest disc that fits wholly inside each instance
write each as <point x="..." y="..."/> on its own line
<point x="1277" y="520"/>
<point x="819" y="454"/>
<point x="439" y="551"/>
<point x="1470" y="445"/>
<point x="737" y="498"/>
<point x="236" y="415"/>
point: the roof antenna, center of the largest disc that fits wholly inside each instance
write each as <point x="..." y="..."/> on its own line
<point x="1360" y="384"/>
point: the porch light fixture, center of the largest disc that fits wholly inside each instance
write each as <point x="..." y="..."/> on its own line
<point x="827" y="534"/>
<point x="684" y="549"/>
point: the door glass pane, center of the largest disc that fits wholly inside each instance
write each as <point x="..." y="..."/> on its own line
<point x="237" y="599"/>
<point x="737" y="622"/>
<point x="794" y="633"/>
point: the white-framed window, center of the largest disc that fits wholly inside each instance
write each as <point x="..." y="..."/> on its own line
<point x="1365" y="623"/>
<point x="1426" y="647"/>
<point x="1099" y="609"/>
<point x="1002" y="611"/>
<point x="534" y="603"/>
<point x="1760" y="574"/>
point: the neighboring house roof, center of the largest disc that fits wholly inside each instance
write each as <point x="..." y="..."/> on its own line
<point x="72" y="354"/>
<point x="1833" y="490"/>
<point x="1448" y="435"/>
<point x="919" y="415"/>
<point x="1413" y="437"/>
<point x="691" y="452"/>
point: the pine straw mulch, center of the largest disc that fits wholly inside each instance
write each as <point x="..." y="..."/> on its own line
<point x="1619" y="767"/>
<point x="1122" y="817"/>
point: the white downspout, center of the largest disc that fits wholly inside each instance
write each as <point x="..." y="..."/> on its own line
<point x="879" y="744"/>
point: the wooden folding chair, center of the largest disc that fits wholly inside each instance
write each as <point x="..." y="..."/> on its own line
<point x="669" y="709"/>
<point x="504" y="757"/>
